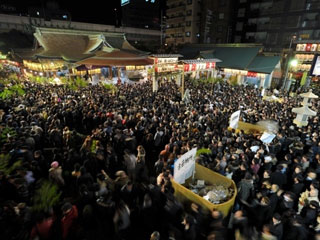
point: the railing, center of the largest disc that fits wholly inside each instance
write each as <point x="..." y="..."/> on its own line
<point x="263" y="26"/>
<point x="174" y="30"/>
<point x="176" y="19"/>
<point x="176" y="9"/>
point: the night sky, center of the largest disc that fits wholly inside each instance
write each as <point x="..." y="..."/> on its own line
<point x="94" y="11"/>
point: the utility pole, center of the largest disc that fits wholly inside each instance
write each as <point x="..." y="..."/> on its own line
<point x="163" y="25"/>
<point x="288" y="63"/>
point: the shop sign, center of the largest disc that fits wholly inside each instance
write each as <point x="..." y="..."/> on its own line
<point x="252" y="74"/>
<point x="308" y="47"/>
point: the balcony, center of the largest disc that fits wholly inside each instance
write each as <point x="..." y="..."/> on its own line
<point x="254" y="13"/>
<point x="264" y="26"/>
<point x="176" y="9"/>
<point x="174" y="40"/>
<point x="170" y="2"/>
<point x="250" y="40"/>
<point x="268" y="11"/>
<point x="314" y="6"/>
<point x="175" y="30"/>
<point x="311" y="24"/>
<point x="251" y="28"/>
<point x="175" y="19"/>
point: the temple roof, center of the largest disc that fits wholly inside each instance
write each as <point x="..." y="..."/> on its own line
<point x="74" y="46"/>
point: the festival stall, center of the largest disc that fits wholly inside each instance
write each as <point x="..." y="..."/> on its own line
<point x="195" y="183"/>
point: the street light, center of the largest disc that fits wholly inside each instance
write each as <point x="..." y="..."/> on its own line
<point x="294" y="62"/>
<point x="115" y="11"/>
<point x="287" y="69"/>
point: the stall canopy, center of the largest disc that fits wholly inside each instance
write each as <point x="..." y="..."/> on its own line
<point x="236" y="56"/>
<point x="264" y="64"/>
<point x="86" y="47"/>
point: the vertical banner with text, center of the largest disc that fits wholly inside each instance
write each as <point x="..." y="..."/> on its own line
<point x="185" y="166"/>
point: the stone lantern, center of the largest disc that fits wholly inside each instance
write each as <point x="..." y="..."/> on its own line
<point x="304" y="112"/>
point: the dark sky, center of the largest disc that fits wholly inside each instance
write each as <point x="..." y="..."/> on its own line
<point x="94" y="11"/>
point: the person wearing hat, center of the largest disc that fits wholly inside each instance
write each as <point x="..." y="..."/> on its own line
<point x="55" y="173"/>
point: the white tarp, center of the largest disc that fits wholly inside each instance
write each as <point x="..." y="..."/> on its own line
<point x="234" y="119"/>
<point x="185" y="166"/>
<point x="267" y="138"/>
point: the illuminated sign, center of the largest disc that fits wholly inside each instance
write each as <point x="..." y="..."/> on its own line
<point x="316" y="68"/>
<point x="308" y="47"/>
<point x="124" y="2"/>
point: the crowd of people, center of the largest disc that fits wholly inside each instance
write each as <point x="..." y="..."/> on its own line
<point x="111" y="156"/>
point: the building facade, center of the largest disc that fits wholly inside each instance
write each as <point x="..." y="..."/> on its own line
<point x="216" y="21"/>
<point x="141" y="14"/>
<point x="138" y="37"/>
<point x="182" y="22"/>
<point x="276" y="22"/>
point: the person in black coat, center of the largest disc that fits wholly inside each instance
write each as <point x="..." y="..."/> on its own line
<point x="274" y="198"/>
<point x="278" y="177"/>
<point x="189" y="232"/>
<point x="298" y="186"/>
<point x="277" y="226"/>
<point x="310" y="213"/>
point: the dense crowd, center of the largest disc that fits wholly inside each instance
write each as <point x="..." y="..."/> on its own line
<point x="112" y="154"/>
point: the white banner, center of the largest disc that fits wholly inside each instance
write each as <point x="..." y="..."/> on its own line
<point x="267" y="138"/>
<point x="185" y="166"/>
<point x="234" y="119"/>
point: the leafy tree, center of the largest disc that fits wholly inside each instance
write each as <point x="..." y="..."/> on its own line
<point x="46" y="197"/>
<point x="203" y="151"/>
<point x="12" y="91"/>
<point x="5" y="164"/>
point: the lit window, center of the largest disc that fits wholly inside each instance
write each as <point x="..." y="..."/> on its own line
<point x="188" y="34"/>
<point x="198" y="35"/>
<point x="64" y="16"/>
<point x="38" y="13"/>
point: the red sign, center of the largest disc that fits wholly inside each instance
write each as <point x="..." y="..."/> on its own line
<point x="252" y="74"/>
<point x="176" y="67"/>
<point x="213" y="65"/>
<point x="156" y="69"/>
<point x="194" y="67"/>
<point x="308" y="47"/>
<point x="208" y="65"/>
<point x="186" y="67"/>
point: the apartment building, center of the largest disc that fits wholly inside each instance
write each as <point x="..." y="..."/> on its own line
<point x="276" y="22"/>
<point x="183" y="22"/>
